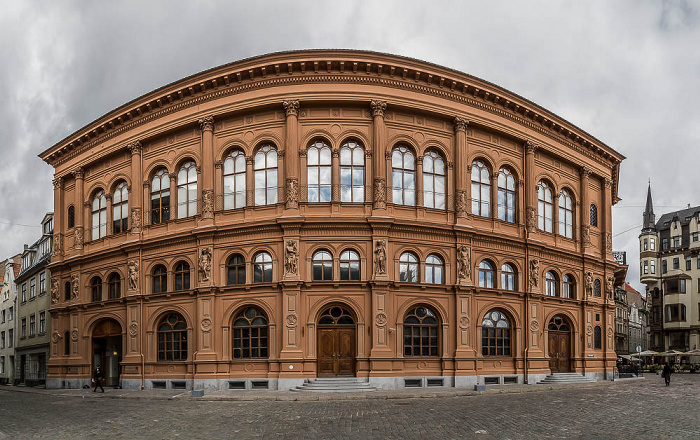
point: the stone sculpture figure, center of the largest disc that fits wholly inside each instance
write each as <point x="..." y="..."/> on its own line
<point x="534" y="273"/>
<point x="75" y="286"/>
<point x="464" y="262"/>
<point x="291" y="257"/>
<point x="133" y="275"/>
<point x="205" y="264"/>
<point x="380" y="257"/>
<point x="531" y="219"/>
<point x="54" y="291"/>
<point x="589" y="284"/>
<point x="207" y="203"/>
<point x="610" y="287"/>
<point x="461" y="203"/>
<point x="586" y="235"/>
<point x="292" y="199"/>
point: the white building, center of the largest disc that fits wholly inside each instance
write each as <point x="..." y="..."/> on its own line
<point x="8" y="311"/>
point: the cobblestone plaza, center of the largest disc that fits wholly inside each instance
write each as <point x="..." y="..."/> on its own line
<point x="639" y="409"/>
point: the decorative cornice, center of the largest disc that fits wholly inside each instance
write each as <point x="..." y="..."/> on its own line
<point x="460" y="124"/>
<point x="378" y="108"/>
<point x="206" y="123"/>
<point x="291" y="107"/>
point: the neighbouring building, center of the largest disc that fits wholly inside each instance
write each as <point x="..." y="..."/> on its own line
<point x="33" y="302"/>
<point x="332" y="213"/>
<point x="9" y="269"/>
<point x="670" y="269"/>
<point x="638" y="320"/>
<point x="621" y="323"/>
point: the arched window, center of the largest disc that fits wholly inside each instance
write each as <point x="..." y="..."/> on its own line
<point x="182" y="276"/>
<point x="114" y="286"/>
<point x="66" y="291"/>
<point x="596" y="287"/>
<point x="486" y="274"/>
<point x="506" y="195"/>
<point x="558" y="324"/>
<point x="481" y="189"/>
<point x="408" y="268"/>
<point x="250" y="334"/>
<point x="160" y="197"/>
<point x="99" y="215"/>
<point x="235" y="267"/>
<point x="318" y="169"/>
<point x="566" y="214"/>
<point x="172" y="338"/>
<point x="594" y="215"/>
<point x="266" y="176"/>
<point x="120" y="209"/>
<point x="495" y="334"/>
<point x="597" y="338"/>
<point x="234" y="180"/>
<point x="507" y="277"/>
<point x="433" y="180"/>
<point x="420" y="333"/>
<point x="322" y="263"/>
<point x="262" y="268"/>
<point x="349" y="266"/>
<point x="550" y="281"/>
<point x="336" y="315"/>
<point x="434" y="269"/>
<point x="403" y="176"/>
<point x="160" y="279"/>
<point x="96" y="288"/>
<point x="71" y="216"/>
<point x="545" y="207"/>
<point x="568" y="287"/>
<point x="352" y="172"/>
<point x="187" y="190"/>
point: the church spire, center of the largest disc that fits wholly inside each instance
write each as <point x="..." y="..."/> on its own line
<point x="649" y="218"/>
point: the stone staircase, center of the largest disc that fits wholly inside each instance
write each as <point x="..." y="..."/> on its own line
<point x="565" y="378"/>
<point x="335" y="385"/>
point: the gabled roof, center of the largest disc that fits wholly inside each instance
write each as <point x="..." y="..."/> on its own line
<point x="683" y="217"/>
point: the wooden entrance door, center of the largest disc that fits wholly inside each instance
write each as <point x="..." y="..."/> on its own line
<point x="559" y="352"/>
<point x="336" y="351"/>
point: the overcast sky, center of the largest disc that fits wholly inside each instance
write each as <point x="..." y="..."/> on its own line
<point x="627" y="72"/>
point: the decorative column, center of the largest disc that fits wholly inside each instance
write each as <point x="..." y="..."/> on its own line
<point x="207" y="168"/>
<point x="335" y="175"/>
<point x="291" y="161"/>
<point x="173" y="196"/>
<point x="419" y="182"/>
<point x="585" y="173"/>
<point x="58" y="217"/>
<point x="380" y="180"/>
<point x="110" y="223"/>
<point x="462" y="170"/>
<point x="249" y="182"/>
<point x="607" y="218"/>
<point x="79" y="210"/>
<point x="369" y="174"/>
<point x="219" y="185"/>
<point x="530" y="188"/>
<point x="136" y="196"/>
<point x="494" y="195"/>
<point x="146" y="213"/>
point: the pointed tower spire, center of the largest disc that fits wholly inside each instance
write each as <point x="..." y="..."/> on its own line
<point x="649" y="217"/>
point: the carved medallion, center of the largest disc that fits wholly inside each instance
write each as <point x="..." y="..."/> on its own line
<point x="534" y="325"/>
<point x="291" y="320"/>
<point x="74" y="335"/>
<point x="464" y="322"/>
<point x="589" y="330"/>
<point x="206" y="324"/>
<point x="380" y="319"/>
<point x="55" y="337"/>
<point x="133" y="329"/>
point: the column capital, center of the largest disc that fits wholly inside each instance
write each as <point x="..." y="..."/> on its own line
<point x="218" y="164"/>
<point x="280" y="154"/>
<point x="387" y="154"/>
<point x="79" y="173"/>
<point x="173" y="177"/>
<point x="302" y="152"/>
<point x="134" y="147"/>
<point x="368" y="154"/>
<point x="335" y="153"/>
<point x="291" y="107"/>
<point x="58" y="183"/>
<point x="206" y="123"/>
<point x="585" y="172"/>
<point x="460" y="124"/>
<point x="608" y="182"/>
<point x="378" y="107"/>
<point x="530" y="147"/>
<point x="419" y="160"/>
<point x="249" y="160"/>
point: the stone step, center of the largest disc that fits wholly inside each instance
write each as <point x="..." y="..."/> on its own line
<point x="335" y="385"/>
<point x="566" y="378"/>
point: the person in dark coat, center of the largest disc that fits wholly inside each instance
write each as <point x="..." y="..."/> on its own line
<point x="98" y="379"/>
<point x="667" y="374"/>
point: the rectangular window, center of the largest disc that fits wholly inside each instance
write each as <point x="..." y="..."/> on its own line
<point x="2" y="339"/>
<point x="695" y="236"/>
<point x="646" y="267"/>
<point x="42" y="283"/>
<point x="2" y="364"/>
<point x="676" y="242"/>
<point x="11" y="313"/>
<point x="2" y="319"/>
<point x="682" y="286"/>
<point x="32" y="288"/>
<point x="42" y="323"/>
<point x="23" y="329"/>
<point x="664" y="266"/>
<point x="32" y="325"/>
<point x="652" y="243"/>
<point x="646" y="244"/>
<point x="653" y="266"/>
<point x="24" y="292"/>
<point x="688" y="263"/>
<point x="664" y="244"/>
<point x="10" y="338"/>
<point x="676" y="263"/>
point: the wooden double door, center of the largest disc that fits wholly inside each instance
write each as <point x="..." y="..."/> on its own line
<point x="559" y="351"/>
<point x="336" y="351"/>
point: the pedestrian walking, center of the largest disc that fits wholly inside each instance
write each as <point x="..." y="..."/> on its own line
<point x="98" y="379"/>
<point x="667" y="374"/>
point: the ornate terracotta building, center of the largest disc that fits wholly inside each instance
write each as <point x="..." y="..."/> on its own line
<point x="331" y="213"/>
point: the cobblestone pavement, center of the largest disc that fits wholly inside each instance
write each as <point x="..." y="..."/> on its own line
<point x="643" y="409"/>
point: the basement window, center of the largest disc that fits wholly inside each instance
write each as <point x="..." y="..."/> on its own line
<point x="259" y="385"/>
<point x="178" y="385"/>
<point x="495" y="380"/>
<point x="510" y="380"/>
<point x="436" y="382"/>
<point x="158" y="384"/>
<point x="412" y="383"/>
<point x="236" y="385"/>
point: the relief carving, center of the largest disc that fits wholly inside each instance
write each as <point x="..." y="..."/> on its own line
<point x="75" y="286"/>
<point x="57" y="244"/>
<point x="534" y="273"/>
<point x="380" y="319"/>
<point x="54" y="291"/>
<point x="292" y="194"/>
<point x="55" y="337"/>
<point x="378" y="108"/>
<point x="461" y="207"/>
<point x="208" y="203"/>
<point x="460" y="123"/>
<point x="133" y="329"/>
<point x="136" y="219"/>
<point x="610" y="287"/>
<point x="379" y="193"/>
<point x="589" y="284"/>
<point x="78" y="240"/>
<point x="134" y="147"/>
<point x="291" y="258"/>
<point x="291" y="107"/>
<point x="206" y="123"/>
<point x="464" y="268"/>
<point x="608" y="242"/>
<point x="586" y="236"/>
<point x="205" y="264"/>
<point x="464" y="322"/>
<point x="133" y="268"/>
<point x="530" y="219"/>
<point x="534" y="325"/>
<point x="206" y="324"/>
<point x="291" y="320"/>
<point x="380" y="257"/>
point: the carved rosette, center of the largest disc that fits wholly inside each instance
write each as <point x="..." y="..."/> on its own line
<point x="133" y="269"/>
<point x="460" y="124"/>
<point x="378" y="108"/>
<point x="586" y="236"/>
<point x="133" y="329"/>
<point x="291" y="107"/>
<point x="208" y="203"/>
<point x="291" y="320"/>
<point x="206" y="123"/>
<point x="291" y="257"/>
<point x="136" y="220"/>
<point x="462" y="206"/>
<point x="464" y="265"/>
<point x="292" y="193"/>
<point x="534" y="273"/>
<point x="531" y="219"/>
<point x="464" y="322"/>
<point x="75" y="286"/>
<point x="534" y="325"/>
<point x="380" y="319"/>
<point x="379" y="193"/>
<point x="206" y="324"/>
<point x="204" y="263"/>
<point x="78" y="237"/>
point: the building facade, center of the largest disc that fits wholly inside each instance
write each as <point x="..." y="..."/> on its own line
<point x="331" y="213"/>
<point x="32" y="323"/>
<point x="8" y="306"/>
<point x="670" y="269"/>
<point x="621" y="321"/>
<point x="638" y="321"/>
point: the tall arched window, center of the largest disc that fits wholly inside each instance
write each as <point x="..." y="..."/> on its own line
<point x="262" y="268"/>
<point x="506" y="195"/>
<point x="99" y="215"/>
<point x="172" y="338"/>
<point x="550" y="282"/>
<point x="495" y="334"/>
<point x="266" y="176"/>
<point x="566" y="214"/>
<point x="420" y="333"/>
<point x="594" y="215"/>
<point x="114" y="286"/>
<point x="96" y="288"/>
<point x="507" y="277"/>
<point x="403" y="176"/>
<point x="322" y="263"/>
<point x="160" y="279"/>
<point x="234" y="180"/>
<point x="318" y="168"/>
<point x="568" y="285"/>
<point x="120" y="209"/>
<point x="71" y="216"/>
<point x="187" y="190"/>
<point x="481" y="189"/>
<point x="349" y="266"/>
<point x="408" y="268"/>
<point x="596" y="287"/>
<point x="597" y="338"/>
<point x="235" y="268"/>
<point x="182" y="276"/>
<point x="434" y="270"/>
<point x="433" y="180"/>
<point x="250" y="334"/>
<point x="160" y="197"/>
<point x="352" y="172"/>
<point x="486" y="274"/>
<point x="545" y="207"/>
